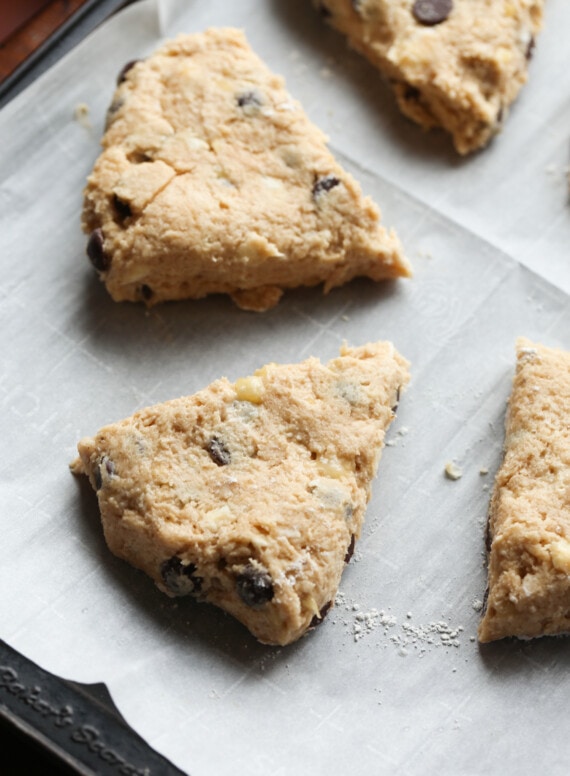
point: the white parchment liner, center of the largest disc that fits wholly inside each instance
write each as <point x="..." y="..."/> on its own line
<point x="393" y="681"/>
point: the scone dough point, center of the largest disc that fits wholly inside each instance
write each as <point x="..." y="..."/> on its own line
<point x="251" y="495"/>
<point x="529" y="516"/>
<point x="212" y="179"/>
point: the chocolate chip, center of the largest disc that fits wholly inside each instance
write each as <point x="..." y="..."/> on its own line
<point x="325" y="12"/>
<point x="249" y="100"/>
<point x="254" y="586"/>
<point x="180" y="577"/>
<point x="350" y="551"/>
<point x="105" y="468"/>
<point x="411" y="93"/>
<point x="146" y="292"/>
<point x="398" y="392"/>
<point x="530" y="48"/>
<point x="218" y="452"/>
<point x="96" y="252"/>
<point x="431" y="12"/>
<point x="123" y="73"/>
<point x="113" y="108"/>
<point x="122" y="208"/>
<point x="322" y="185"/>
<point x="116" y="105"/>
<point x="317" y="619"/>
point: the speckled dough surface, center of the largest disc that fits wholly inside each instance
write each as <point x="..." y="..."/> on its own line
<point x="251" y="495"/>
<point x="529" y="518"/>
<point x="457" y="64"/>
<point x="213" y="180"/>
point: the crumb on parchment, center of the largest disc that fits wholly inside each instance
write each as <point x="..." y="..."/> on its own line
<point x="453" y="471"/>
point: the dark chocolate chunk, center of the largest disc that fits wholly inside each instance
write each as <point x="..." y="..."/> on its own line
<point x="322" y="185"/>
<point x="431" y="12"/>
<point x="106" y="468"/>
<point x="96" y="252"/>
<point x="146" y="292"/>
<point x="530" y="48"/>
<point x="123" y="73"/>
<point x="350" y="550"/>
<point x="317" y="619"/>
<point x="325" y="12"/>
<point x="254" y="586"/>
<point x="218" y="452"/>
<point x="249" y="99"/>
<point x="398" y="392"/>
<point x="113" y="108"/>
<point x="411" y="93"/>
<point x="180" y="577"/>
<point x="122" y="208"/>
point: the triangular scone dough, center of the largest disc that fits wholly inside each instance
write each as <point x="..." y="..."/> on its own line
<point x="529" y="519"/>
<point x="456" y="64"/>
<point x="251" y="495"/>
<point x="213" y="180"/>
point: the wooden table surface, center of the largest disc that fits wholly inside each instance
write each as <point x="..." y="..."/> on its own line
<point x="28" y="24"/>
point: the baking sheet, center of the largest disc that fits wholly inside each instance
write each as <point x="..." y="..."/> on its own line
<point x="393" y="681"/>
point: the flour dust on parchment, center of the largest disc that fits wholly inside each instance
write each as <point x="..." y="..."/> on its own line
<point x="404" y="634"/>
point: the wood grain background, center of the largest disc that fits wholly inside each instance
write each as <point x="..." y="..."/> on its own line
<point x="26" y="25"/>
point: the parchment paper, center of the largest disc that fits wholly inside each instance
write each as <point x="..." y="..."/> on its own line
<point x="393" y="682"/>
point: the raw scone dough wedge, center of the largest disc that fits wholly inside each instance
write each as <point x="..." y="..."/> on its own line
<point x="251" y="495"/>
<point x="212" y="179"/>
<point x="456" y="64"/>
<point x="529" y="518"/>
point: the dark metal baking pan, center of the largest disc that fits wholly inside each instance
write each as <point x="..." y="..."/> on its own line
<point x="49" y="725"/>
<point x="88" y="16"/>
